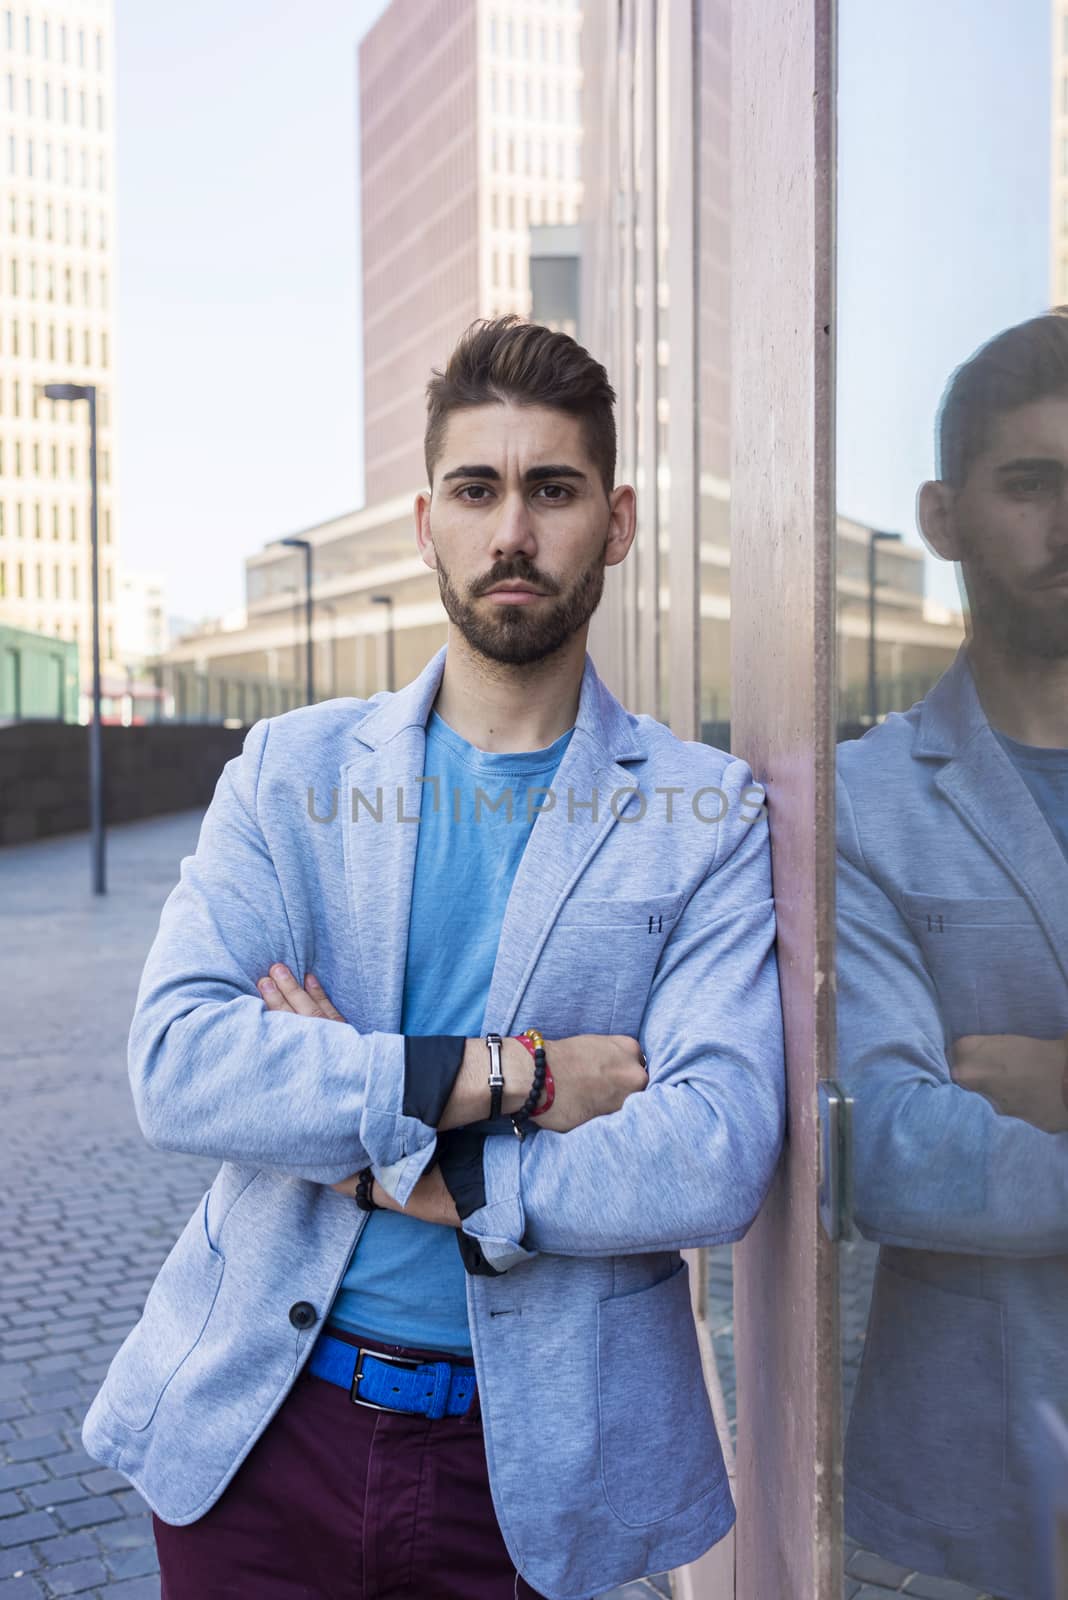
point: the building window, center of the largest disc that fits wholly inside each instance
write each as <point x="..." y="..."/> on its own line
<point x="111" y="642"/>
<point x="74" y="583"/>
<point x="72" y="461"/>
<point x="86" y="352"/>
<point x="81" y="108"/>
<point x="107" y="524"/>
<point x="70" y="344"/>
<point x="55" y="522"/>
<point x="18" y="458"/>
<point x="9" y="29"/>
<point x="100" y="112"/>
<point x="100" y="52"/>
<point x="63" y="41"/>
<point x="29" y="97"/>
<point x="57" y="587"/>
<point x="64" y="104"/>
<point x="107" y="585"/>
<point x="3" y="580"/>
<point x="48" y="165"/>
<point x="103" y="349"/>
<point x="37" y="474"/>
<point x="18" y="519"/>
<point x="73" y="525"/>
<point x="38" y="580"/>
<point x="44" y="40"/>
<point x="12" y="158"/>
<point x="13" y="272"/>
<point x="20" y="580"/>
<point x="81" y="47"/>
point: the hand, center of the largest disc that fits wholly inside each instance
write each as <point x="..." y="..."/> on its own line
<point x="429" y="1201"/>
<point x="280" y="991"/>
<point x="1020" y="1076"/>
<point x="594" y="1073"/>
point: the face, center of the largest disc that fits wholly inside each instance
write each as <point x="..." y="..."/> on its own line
<point x="515" y="497"/>
<point x="1008" y="527"/>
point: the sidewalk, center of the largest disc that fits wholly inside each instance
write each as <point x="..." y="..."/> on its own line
<point x="89" y="1210"/>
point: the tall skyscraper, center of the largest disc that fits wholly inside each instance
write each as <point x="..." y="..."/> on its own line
<point x="57" y="232"/>
<point x="470" y="134"/>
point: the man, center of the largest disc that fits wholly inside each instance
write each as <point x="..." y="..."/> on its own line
<point x="953" y="1007"/>
<point x="381" y="888"/>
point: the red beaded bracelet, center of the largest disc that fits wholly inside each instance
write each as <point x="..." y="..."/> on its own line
<point x="531" y="1039"/>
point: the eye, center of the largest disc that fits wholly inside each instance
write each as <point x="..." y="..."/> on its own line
<point x="559" y="489"/>
<point x="1032" y="484"/>
<point x="480" y="487"/>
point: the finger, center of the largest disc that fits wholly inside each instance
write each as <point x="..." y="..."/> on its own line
<point x="321" y="998"/>
<point x="272" y="996"/>
<point x="299" y="1001"/>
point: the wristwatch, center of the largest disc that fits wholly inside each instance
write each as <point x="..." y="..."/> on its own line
<point x="496" y="1074"/>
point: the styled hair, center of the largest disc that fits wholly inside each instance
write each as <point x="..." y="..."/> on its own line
<point x="1025" y="363"/>
<point x="508" y="359"/>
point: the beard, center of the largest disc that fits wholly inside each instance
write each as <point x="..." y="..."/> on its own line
<point x="1029" y="625"/>
<point x="519" y="635"/>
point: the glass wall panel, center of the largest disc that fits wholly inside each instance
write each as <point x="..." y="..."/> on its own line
<point x="952" y="812"/>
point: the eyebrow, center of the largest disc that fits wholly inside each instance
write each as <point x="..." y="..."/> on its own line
<point x="1032" y="464"/>
<point x="532" y="475"/>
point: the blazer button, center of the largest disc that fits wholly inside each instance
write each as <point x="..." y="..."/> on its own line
<point x="303" y="1315"/>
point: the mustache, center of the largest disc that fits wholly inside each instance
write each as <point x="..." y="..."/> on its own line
<point x="1059" y="569"/>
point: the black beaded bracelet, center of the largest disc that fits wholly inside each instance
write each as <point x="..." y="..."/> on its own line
<point x="536" y="1091"/>
<point x="363" y="1191"/>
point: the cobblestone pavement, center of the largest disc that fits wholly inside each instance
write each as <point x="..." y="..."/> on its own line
<point x="89" y="1211"/>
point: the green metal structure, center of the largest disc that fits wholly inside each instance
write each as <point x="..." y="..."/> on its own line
<point x="38" y="676"/>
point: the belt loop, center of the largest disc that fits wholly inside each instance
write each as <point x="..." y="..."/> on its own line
<point x="442" y="1371"/>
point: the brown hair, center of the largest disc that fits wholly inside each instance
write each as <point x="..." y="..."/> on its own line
<point x="1025" y="363"/>
<point x="508" y="359"/>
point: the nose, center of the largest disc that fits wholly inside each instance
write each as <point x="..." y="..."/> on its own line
<point x="514" y="527"/>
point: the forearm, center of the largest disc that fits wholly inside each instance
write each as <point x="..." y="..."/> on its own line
<point x="469" y="1100"/>
<point x="936" y="1168"/>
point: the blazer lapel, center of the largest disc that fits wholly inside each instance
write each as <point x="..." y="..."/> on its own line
<point x="379" y="789"/>
<point x="980" y="782"/>
<point x="564" y="838"/>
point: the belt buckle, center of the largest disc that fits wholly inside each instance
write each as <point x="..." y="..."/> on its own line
<point x="379" y="1355"/>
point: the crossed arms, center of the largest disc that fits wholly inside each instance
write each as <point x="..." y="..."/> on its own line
<point x="685" y="1162"/>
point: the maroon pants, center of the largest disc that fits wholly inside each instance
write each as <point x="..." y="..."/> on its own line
<point x="338" y="1502"/>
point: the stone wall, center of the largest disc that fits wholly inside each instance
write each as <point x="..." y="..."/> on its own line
<point x="44" y="773"/>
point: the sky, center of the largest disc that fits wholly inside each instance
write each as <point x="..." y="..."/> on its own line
<point x="240" y="407"/>
<point x="943" y="225"/>
<point x="238" y="360"/>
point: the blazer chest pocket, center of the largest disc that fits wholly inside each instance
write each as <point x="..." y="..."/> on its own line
<point x="602" y="952"/>
<point x="984" y="955"/>
<point x="660" y="1453"/>
<point x="174" y="1318"/>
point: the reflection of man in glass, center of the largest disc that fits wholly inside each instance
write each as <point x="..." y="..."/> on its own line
<point x="953" y="1005"/>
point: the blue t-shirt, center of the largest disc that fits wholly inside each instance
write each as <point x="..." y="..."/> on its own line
<point x="1044" y="769"/>
<point x="406" y="1283"/>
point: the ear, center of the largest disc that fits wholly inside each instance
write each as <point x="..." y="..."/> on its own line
<point x="423" y="536"/>
<point x="622" y="525"/>
<point x="936" y="507"/>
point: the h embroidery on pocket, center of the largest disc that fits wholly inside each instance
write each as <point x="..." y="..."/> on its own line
<point x="659" y="920"/>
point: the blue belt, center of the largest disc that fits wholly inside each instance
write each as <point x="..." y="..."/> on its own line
<point x="393" y="1383"/>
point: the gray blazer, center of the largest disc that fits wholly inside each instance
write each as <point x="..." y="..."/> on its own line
<point x="620" y="921"/>
<point x="953" y="920"/>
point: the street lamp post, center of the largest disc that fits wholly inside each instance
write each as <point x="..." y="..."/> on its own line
<point x="387" y="600"/>
<point x="309" y="655"/>
<point x="87" y="391"/>
<point x="331" y="610"/>
<point x="874" y="535"/>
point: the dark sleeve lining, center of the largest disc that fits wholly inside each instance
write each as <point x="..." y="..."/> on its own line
<point x="460" y="1159"/>
<point x="431" y="1064"/>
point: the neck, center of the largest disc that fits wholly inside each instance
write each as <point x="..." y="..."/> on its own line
<point x="1023" y="696"/>
<point x="498" y="707"/>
